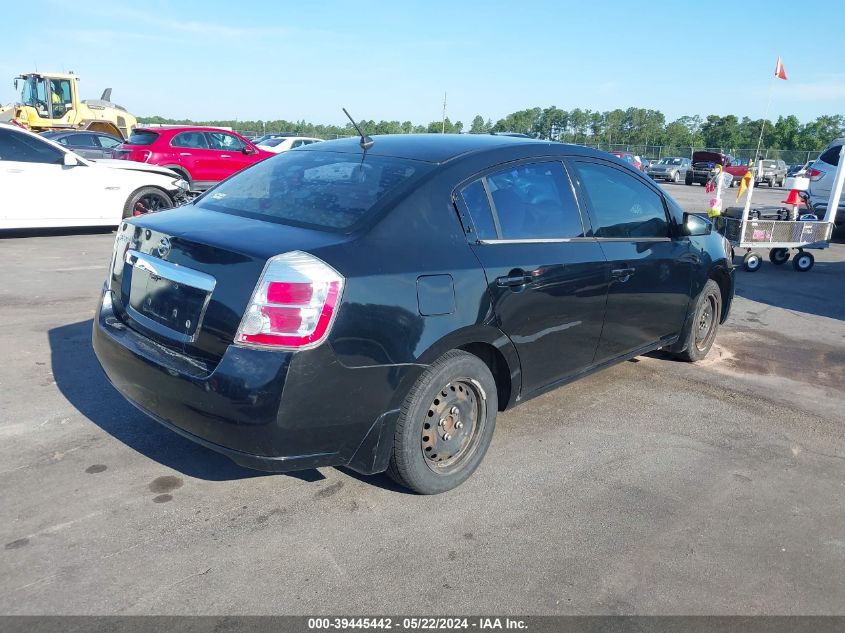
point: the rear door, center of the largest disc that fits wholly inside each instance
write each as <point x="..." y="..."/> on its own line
<point x="192" y="151"/>
<point x="229" y="153"/>
<point x="547" y="281"/>
<point x="650" y="272"/>
<point x="85" y="144"/>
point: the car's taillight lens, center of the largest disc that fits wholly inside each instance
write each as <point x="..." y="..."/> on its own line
<point x="293" y="305"/>
<point x="814" y="174"/>
<point x="141" y="155"/>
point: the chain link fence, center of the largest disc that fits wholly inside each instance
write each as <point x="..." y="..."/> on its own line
<point x="656" y="152"/>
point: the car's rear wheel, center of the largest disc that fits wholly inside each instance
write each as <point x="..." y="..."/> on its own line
<point x="446" y="424"/>
<point x="146" y="200"/>
<point x="705" y="323"/>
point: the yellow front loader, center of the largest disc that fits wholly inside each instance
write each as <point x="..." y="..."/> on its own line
<point x="50" y="101"/>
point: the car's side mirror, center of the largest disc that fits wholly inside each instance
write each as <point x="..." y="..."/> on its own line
<point x="696" y="225"/>
<point x="250" y="150"/>
<point x="69" y="160"/>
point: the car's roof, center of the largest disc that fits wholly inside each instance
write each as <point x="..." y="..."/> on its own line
<point x="433" y="148"/>
<point x="62" y="133"/>
<point x="181" y="128"/>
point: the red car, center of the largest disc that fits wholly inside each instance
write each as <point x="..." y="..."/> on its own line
<point x="628" y="157"/>
<point x="203" y="156"/>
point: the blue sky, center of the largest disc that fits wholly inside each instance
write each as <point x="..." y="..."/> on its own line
<point x="394" y="60"/>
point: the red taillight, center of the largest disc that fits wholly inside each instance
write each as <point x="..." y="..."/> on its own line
<point x="814" y="174"/>
<point x="140" y="155"/>
<point x="289" y="292"/>
<point x="293" y="305"/>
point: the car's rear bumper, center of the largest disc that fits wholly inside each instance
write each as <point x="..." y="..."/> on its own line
<point x="272" y="411"/>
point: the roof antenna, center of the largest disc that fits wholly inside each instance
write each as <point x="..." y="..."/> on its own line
<point x="366" y="141"/>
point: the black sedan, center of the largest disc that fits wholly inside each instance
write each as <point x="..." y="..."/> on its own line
<point x="377" y="307"/>
<point x="86" y="144"/>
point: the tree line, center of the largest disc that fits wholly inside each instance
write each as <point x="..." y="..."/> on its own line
<point x="634" y="126"/>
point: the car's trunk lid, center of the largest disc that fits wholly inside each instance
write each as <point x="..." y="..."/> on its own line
<point x="184" y="277"/>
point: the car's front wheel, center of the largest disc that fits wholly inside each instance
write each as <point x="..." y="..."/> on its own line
<point x="446" y="424"/>
<point x="146" y="200"/>
<point x="701" y="332"/>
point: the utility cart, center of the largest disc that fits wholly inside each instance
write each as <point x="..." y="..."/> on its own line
<point x="768" y="227"/>
<point x="779" y="236"/>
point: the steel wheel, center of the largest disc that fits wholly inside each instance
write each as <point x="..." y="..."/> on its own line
<point x="453" y="424"/>
<point x="676" y="177"/>
<point x="705" y="323"/>
<point x="803" y="262"/>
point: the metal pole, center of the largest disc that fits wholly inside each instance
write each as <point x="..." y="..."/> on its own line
<point x="836" y="190"/>
<point x="443" y="129"/>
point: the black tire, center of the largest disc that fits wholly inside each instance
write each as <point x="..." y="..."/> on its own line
<point x="146" y="200"/>
<point x="688" y="180"/>
<point x="752" y="262"/>
<point x="779" y="256"/>
<point x="431" y="423"/>
<point x="803" y="261"/>
<point x="772" y="183"/>
<point x="701" y="331"/>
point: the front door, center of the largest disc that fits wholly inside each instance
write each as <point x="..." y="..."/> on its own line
<point x="546" y="280"/>
<point x="650" y="271"/>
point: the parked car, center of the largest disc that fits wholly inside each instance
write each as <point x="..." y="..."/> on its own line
<point x="283" y="144"/>
<point x="772" y="172"/>
<point x="798" y="170"/>
<point x="202" y="156"/>
<point x="267" y="137"/>
<point x="644" y="163"/>
<point x="629" y="158"/>
<point x="87" y="144"/>
<point x="821" y="174"/>
<point x="704" y="167"/>
<point x="377" y="308"/>
<point x="45" y="185"/>
<point x="672" y="169"/>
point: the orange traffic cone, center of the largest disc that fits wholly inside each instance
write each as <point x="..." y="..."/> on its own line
<point x="794" y="200"/>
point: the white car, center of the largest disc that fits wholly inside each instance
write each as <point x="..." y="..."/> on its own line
<point x="45" y="185"/>
<point x="821" y="174"/>
<point x="284" y="143"/>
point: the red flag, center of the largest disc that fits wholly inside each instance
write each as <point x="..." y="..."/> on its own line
<point x="780" y="72"/>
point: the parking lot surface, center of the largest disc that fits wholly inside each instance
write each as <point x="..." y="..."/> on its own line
<point x="654" y="487"/>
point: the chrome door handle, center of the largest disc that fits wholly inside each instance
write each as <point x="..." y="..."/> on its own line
<point x="513" y="280"/>
<point x="184" y="153"/>
<point x="14" y="171"/>
<point x="225" y="156"/>
<point x="623" y="274"/>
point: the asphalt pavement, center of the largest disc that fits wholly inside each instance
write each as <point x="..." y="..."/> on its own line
<point x="654" y="487"/>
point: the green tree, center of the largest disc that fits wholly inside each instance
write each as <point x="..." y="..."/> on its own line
<point x="478" y="125"/>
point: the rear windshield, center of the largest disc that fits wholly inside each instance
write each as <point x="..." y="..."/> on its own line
<point x="769" y="164"/>
<point x="320" y="190"/>
<point x="273" y="142"/>
<point x="142" y="138"/>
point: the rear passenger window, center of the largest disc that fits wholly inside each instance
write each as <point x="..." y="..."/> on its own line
<point x="475" y="199"/>
<point x="535" y="202"/>
<point x="193" y="140"/>
<point x="622" y="206"/>
<point x="831" y="156"/>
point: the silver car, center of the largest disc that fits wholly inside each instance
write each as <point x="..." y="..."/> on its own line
<point x="821" y="174"/>
<point x="672" y="169"/>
